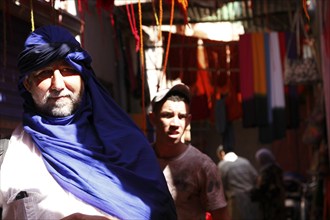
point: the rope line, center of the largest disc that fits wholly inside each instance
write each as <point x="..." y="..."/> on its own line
<point x="32" y="16"/>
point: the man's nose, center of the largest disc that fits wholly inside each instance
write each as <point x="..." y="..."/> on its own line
<point x="175" y="121"/>
<point x="57" y="81"/>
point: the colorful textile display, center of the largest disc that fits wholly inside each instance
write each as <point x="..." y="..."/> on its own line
<point x="262" y="88"/>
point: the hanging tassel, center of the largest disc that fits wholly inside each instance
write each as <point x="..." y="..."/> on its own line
<point x="132" y="23"/>
<point x="160" y="20"/>
<point x="304" y="3"/>
<point x="142" y="69"/>
<point x="32" y="16"/>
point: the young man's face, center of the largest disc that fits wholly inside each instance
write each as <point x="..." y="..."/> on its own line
<point x="171" y="121"/>
<point x="56" y="89"/>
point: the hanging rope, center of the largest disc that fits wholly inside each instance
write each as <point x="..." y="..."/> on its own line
<point x="142" y="68"/>
<point x="160" y="19"/>
<point x="159" y="23"/>
<point x="132" y="23"/>
<point x="304" y="3"/>
<point x="169" y="38"/>
<point x="154" y="11"/>
<point x="32" y="16"/>
<point x="184" y="8"/>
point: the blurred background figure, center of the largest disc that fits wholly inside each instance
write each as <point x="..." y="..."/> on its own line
<point x="270" y="191"/>
<point x="239" y="177"/>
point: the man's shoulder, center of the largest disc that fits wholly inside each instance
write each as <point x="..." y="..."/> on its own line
<point x="194" y="151"/>
<point x="197" y="151"/>
<point x="4" y="142"/>
<point x="199" y="157"/>
<point x="7" y="141"/>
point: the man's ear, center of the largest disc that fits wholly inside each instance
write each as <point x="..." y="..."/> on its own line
<point x="152" y="118"/>
<point x="188" y="120"/>
<point x="27" y="84"/>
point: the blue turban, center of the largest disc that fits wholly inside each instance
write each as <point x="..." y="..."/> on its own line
<point x="98" y="153"/>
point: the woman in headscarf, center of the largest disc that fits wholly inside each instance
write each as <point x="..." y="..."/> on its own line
<point x="270" y="191"/>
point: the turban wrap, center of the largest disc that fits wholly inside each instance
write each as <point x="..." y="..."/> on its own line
<point x="98" y="154"/>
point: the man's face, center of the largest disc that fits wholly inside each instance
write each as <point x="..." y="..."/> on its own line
<point x="171" y="121"/>
<point x="56" y="89"/>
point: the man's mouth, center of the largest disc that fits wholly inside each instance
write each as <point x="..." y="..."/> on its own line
<point x="58" y="98"/>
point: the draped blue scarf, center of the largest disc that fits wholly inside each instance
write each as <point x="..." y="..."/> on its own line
<point x="98" y="153"/>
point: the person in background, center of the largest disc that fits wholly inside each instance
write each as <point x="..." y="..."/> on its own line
<point x="239" y="177"/>
<point x="270" y="190"/>
<point x="192" y="177"/>
<point x="77" y="154"/>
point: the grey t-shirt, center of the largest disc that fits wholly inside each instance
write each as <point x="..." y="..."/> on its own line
<point x="195" y="184"/>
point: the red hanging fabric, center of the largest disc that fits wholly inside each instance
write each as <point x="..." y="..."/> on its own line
<point x="106" y="5"/>
<point x="82" y="7"/>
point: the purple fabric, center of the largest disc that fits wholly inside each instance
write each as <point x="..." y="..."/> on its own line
<point x="265" y="158"/>
<point x="98" y="154"/>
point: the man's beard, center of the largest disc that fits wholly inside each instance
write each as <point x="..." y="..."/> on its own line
<point x="62" y="107"/>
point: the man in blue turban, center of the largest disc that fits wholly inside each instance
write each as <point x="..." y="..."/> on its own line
<point x="77" y="153"/>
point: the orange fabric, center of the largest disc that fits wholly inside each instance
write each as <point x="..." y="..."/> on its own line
<point x="204" y="70"/>
<point x="259" y="66"/>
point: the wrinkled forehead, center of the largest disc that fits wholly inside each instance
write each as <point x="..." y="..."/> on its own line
<point x="51" y="66"/>
<point x="54" y="64"/>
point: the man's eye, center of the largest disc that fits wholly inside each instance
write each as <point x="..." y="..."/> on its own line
<point x="166" y="115"/>
<point x="68" y="71"/>
<point x="44" y="74"/>
<point x="182" y="116"/>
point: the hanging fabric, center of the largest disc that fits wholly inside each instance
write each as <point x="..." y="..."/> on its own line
<point x="202" y="90"/>
<point x="233" y="106"/>
<point x="82" y="7"/>
<point x="106" y="5"/>
<point x="276" y="126"/>
<point x="259" y="77"/>
<point x="247" y="80"/>
<point x="277" y="100"/>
